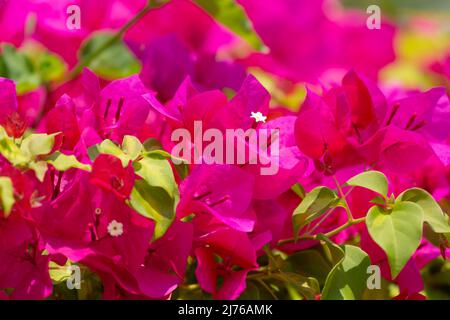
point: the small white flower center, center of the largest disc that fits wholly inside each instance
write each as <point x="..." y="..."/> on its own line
<point x="115" y="229"/>
<point x="259" y="117"/>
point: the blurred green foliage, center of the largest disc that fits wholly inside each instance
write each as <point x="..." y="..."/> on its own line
<point x="233" y="16"/>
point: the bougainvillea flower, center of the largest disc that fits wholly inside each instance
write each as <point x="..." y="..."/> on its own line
<point x="161" y="271"/>
<point x="251" y="97"/>
<point x="212" y="109"/>
<point x="165" y="263"/>
<point x="84" y="91"/>
<point x="10" y="118"/>
<point x="121" y="110"/>
<point x="224" y="191"/>
<point x="342" y="119"/>
<point x="397" y="150"/>
<point x="353" y="121"/>
<point x="27" y="191"/>
<point x="275" y="216"/>
<point x="317" y="130"/>
<point x="108" y="236"/>
<point x="62" y="119"/>
<point x="167" y="62"/>
<point x="194" y="27"/>
<point x="423" y="112"/>
<point x="233" y="281"/>
<point x="24" y="269"/>
<point x="298" y="54"/>
<point x="413" y="111"/>
<point x="172" y="110"/>
<point x="109" y="174"/>
<point x="291" y="163"/>
<point x="8" y="97"/>
<point x="233" y="247"/>
<point x="13" y="16"/>
<point x="31" y="105"/>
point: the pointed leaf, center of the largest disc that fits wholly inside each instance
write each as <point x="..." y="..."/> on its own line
<point x="398" y="233"/>
<point x="347" y="280"/>
<point x="37" y="144"/>
<point x="315" y="203"/>
<point x="157" y="172"/>
<point x="39" y="168"/>
<point x="156" y="196"/>
<point x="132" y="147"/>
<point x="154" y="203"/>
<point x="109" y="147"/>
<point x="433" y="213"/>
<point x="63" y="162"/>
<point x="372" y="180"/>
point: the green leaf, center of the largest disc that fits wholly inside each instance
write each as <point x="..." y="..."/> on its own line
<point x="348" y="279"/>
<point x="153" y="148"/>
<point x="63" y="162"/>
<point x="251" y="292"/>
<point x="307" y="287"/>
<point x="132" y="147"/>
<point x="93" y="152"/>
<point x="154" y="203"/>
<point x="117" y="61"/>
<point x="315" y="203"/>
<point x="152" y="144"/>
<point x="50" y="67"/>
<point x="16" y="66"/>
<point x="109" y="147"/>
<point x="233" y="16"/>
<point x="298" y="190"/>
<point x="37" y="144"/>
<point x="156" y="195"/>
<point x="433" y="213"/>
<point x="372" y="180"/>
<point x="398" y="233"/>
<point x="59" y="273"/>
<point x="333" y="252"/>
<point x="6" y="195"/>
<point x="11" y="151"/>
<point x="39" y="168"/>
<point x="157" y="172"/>
<point x="310" y="263"/>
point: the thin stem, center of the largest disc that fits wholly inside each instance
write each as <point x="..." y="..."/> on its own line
<point x="267" y="288"/>
<point x="85" y="62"/>
<point x="328" y="235"/>
<point x="326" y="215"/>
<point x="344" y="226"/>
<point x="344" y="199"/>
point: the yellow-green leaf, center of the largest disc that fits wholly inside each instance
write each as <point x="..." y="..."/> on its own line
<point x="398" y="232"/>
<point x="6" y="195"/>
<point x="372" y="180"/>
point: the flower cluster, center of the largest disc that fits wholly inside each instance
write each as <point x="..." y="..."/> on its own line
<point x="94" y="95"/>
